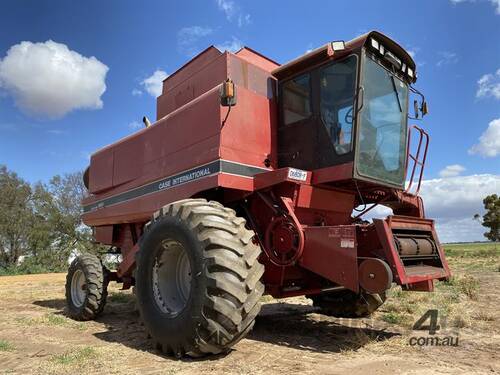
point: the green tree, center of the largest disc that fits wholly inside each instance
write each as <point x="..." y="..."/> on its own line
<point x="42" y="222"/>
<point x="491" y="219"/>
<point x="16" y="217"/>
<point x="59" y="232"/>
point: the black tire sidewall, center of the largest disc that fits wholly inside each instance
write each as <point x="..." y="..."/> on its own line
<point x="183" y="325"/>
<point x="78" y="312"/>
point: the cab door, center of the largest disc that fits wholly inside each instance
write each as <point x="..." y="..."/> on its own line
<point x="297" y="131"/>
<point x="316" y="116"/>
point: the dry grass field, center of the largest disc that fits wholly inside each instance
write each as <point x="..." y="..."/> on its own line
<point x="290" y="336"/>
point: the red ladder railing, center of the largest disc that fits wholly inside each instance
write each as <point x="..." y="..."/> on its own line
<point x="418" y="158"/>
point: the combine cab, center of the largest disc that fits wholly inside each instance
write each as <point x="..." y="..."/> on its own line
<point x="248" y="183"/>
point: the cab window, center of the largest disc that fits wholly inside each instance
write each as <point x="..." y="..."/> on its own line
<point x="296" y="99"/>
<point x="337" y="89"/>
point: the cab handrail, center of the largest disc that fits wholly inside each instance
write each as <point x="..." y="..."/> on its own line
<point x="417" y="158"/>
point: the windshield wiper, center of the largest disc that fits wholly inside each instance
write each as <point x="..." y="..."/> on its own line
<point x="396" y="92"/>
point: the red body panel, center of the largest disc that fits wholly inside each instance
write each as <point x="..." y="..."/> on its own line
<point x="159" y="150"/>
<point x="182" y="139"/>
<point x="338" y="243"/>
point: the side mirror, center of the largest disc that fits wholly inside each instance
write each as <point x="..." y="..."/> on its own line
<point x="228" y="93"/>
<point x="424" y="109"/>
<point x="419" y="106"/>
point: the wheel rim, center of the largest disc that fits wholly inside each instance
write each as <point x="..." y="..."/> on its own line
<point x="171" y="277"/>
<point x="78" y="288"/>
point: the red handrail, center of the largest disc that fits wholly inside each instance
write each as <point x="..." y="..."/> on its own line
<point x="424" y="137"/>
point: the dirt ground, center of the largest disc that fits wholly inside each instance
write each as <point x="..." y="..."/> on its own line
<point x="290" y="336"/>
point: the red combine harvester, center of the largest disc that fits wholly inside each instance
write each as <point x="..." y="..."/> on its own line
<point x="246" y="184"/>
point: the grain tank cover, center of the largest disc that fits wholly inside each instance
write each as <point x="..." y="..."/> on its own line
<point x="209" y="69"/>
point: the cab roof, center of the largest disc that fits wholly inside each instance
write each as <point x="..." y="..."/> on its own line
<point x="326" y="53"/>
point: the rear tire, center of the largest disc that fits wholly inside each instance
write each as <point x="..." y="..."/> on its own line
<point x="347" y="304"/>
<point x="86" y="287"/>
<point x="198" y="278"/>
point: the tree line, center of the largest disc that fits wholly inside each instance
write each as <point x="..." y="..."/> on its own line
<point x="40" y="224"/>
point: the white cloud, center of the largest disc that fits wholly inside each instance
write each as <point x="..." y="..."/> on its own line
<point x="452" y="170"/>
<point x="447" y="58"/>
<point x="489" y="142"/>
<point x="489" y="85"/>
<point x="136" y="92"/>
<point x="230" y="45"/>
<point x="154" y="83"/>
<point x="233" y="11"/>
<point x="134" y="125"/>
<point x="451" y="197"/>
<point x="187" y="37"/>
<point x="452" y="203"/>
<point x="495" y="3"/>
<point x="51" y="80"/>
<point x="228" y="7"/>
<point x="244" y="19"/>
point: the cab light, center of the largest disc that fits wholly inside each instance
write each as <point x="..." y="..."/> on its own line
<point x="338" y="45"/>
<point x="393" y="59"/>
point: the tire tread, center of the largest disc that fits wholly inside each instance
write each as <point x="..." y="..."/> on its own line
<point x="97" y="282"/>
<point x="232" y="272"/>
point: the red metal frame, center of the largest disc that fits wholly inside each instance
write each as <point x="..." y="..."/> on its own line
<point x="402" y="275"/>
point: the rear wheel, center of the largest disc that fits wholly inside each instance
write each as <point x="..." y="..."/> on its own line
<point x="198" y="278"/>
<point x="347" y="304"/>
<point x="86" y="287"/>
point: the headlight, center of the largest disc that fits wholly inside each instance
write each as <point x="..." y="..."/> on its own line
<point x="374" y="43"/>
<point x="410" y="72"/>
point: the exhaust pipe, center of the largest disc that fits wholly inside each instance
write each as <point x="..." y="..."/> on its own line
<point x="146" y="122"/>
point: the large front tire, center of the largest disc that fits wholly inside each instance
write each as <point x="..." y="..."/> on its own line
<point x="198" y="278"/>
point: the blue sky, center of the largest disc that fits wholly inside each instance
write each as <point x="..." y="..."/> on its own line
<point x="456" y="45"/>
